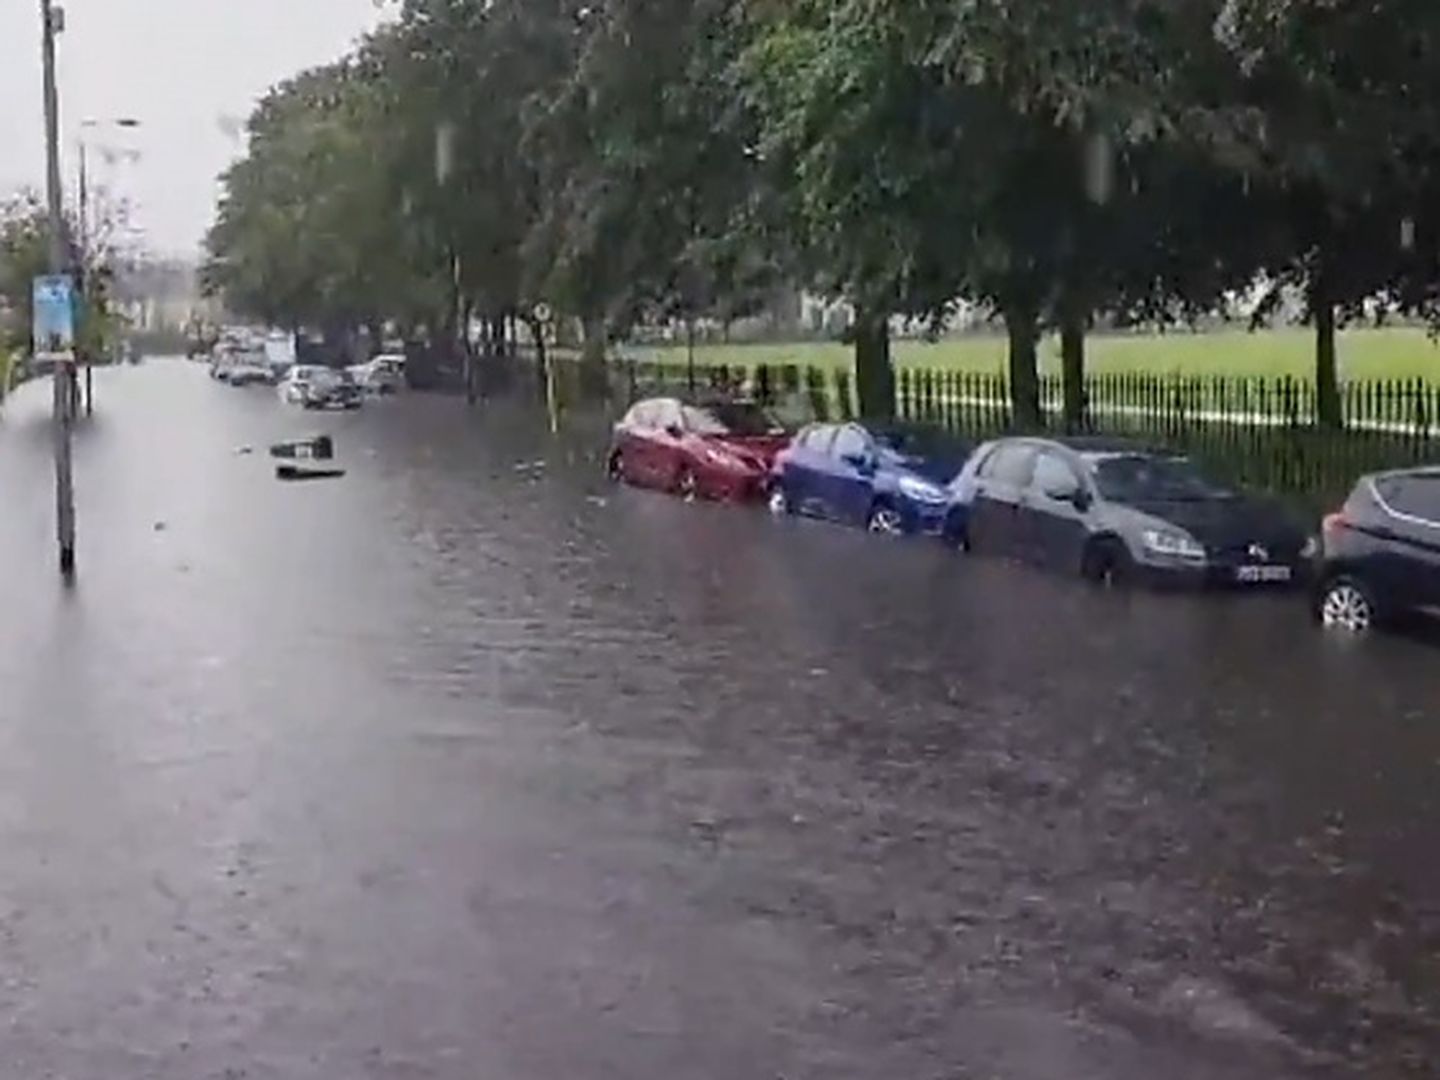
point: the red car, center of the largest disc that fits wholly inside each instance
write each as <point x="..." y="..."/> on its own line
<point x="713" y="450"/>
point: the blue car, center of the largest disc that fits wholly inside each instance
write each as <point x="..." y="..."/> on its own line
<point x="892" y="480"/>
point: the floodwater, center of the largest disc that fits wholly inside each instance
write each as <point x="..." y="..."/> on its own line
<point x="468" y="765"/>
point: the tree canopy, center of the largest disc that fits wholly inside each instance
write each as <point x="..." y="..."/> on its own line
<point x="1049" y="160"/>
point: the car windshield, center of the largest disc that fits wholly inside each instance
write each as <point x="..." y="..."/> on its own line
<point x="922" y="442"/>
<point x="730" y="418"/>
<point x="1129" y="478"/>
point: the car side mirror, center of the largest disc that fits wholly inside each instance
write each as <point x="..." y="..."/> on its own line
<point x="674" y="431"/>
<point x="864" y="462"/>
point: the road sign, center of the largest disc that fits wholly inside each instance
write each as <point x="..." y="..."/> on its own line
<point x="543" y="313"/>
<point x="53" y="327"/>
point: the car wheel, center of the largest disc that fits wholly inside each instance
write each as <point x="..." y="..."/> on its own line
<point x="1108" y="563"/>
<point x="777" y="501"/>
<point x="615" y="467"/>
<point x="686" y="486"/>
<point x="885" y="520"/>
<point x="1346" y="604"/>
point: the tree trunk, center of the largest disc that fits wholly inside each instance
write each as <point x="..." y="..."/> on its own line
<point x="593" y="380"/>
<point x="1072" y="362"/>
<point x="1022" y="330"/>
<point x="874" y="373"/>
<point x="1327" y="382"/>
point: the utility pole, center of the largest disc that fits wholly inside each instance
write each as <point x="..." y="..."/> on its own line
<point x="82" y="277"/>
<point x="52" y="22"/>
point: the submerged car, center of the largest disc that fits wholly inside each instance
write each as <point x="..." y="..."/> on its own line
<point x="1380" y="554"/>
<point x="385" y="374"/>
<point x="711" y="450"/>
<point x="316" y="387"/>
<point x="247" y="369"/>
<point x="1115" y="511"/>
<point x="891" y="480"/>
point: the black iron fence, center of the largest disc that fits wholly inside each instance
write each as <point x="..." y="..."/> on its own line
<point x="1257" y="432"/>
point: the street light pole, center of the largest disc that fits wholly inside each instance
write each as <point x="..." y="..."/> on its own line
<point x="52" y="22"/>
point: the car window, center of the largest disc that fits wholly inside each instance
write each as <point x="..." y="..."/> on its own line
<point x="730" y="418"/>
<point x="1130" y="478"/>
<point x="818" y="438"/>
<point x="1414" y="496"/>
<point x="849" y="440"/>
<point x="1010" y="464"/>
<point x="1053" y="473"/>
<point x="667" y="414"/>
<point x="638" y="416"/>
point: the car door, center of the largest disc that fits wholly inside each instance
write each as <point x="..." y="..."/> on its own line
<point x="1000" y="483"/>
<point x="630" y="442"/>
<point x="849" y="484"/>
<point x="648" y="452"/>
<point x="1408" y="568"/>
<point x="805" y="467"/>
<point x="1052" y="523"/>
<point x="668" y="443"/>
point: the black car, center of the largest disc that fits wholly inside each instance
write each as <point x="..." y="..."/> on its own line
<point x="1113" y="510"/>
<point x="1380" y="555"/>
<point x="338" y="391"/>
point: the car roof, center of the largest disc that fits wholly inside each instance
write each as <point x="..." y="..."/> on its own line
<point x="1109" y="444"/>
<point x="1418" y="472"/>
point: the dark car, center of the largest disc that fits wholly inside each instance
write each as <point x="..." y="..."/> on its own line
<point x="336" y="390"/>
<point x="704" y="449"/>
<point x="1380" y="555"/>
<point x="1113" y="510"/>
<point x="890" y="479"/>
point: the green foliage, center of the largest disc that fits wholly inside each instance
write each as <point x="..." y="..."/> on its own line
<point x="1050" y="159"/>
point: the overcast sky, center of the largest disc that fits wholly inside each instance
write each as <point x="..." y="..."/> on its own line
<point x="179" y="66"/>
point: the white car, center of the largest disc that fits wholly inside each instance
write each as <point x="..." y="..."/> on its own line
<point x="385" y="374"/>
<point x="299" y="383"/>
<point x="317" y="387"/>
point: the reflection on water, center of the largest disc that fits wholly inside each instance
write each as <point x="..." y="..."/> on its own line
<point x="762" y="765"/>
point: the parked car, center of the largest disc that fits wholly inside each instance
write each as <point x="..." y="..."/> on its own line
<point x="316" y="387"/>
<point x="714" y="449"/>
<point x="1113" y="510"/>
<point x="335" y="389"/>
<point x="891" y="480"/>
<point x="246" y="369"/>
<point x="221" y="358"/>
<point x="1380" y="554"/>
<point x="385" y="374"/>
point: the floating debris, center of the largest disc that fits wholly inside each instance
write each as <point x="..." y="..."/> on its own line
<point x="316" y="448"/>
<point x="299" y="472"/>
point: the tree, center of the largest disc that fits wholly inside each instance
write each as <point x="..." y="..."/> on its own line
<point x="1348" y="149"/>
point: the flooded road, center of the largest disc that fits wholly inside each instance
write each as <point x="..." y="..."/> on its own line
<point x="468" y="765"/>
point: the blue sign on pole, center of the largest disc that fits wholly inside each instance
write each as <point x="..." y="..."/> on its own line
<point x="53" y="330"/>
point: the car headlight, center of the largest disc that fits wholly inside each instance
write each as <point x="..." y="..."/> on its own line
<point x="1174" y="544"/>
<point x="922" y="490"/>
<point x="722" y="458"/>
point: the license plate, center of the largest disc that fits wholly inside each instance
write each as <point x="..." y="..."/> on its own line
<point x="1263" y="574"/>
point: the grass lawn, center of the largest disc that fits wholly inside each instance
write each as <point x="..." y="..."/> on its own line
<point x="1401" y="353"/>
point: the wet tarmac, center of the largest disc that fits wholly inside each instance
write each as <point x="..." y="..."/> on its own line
<point x="469" y="766"/>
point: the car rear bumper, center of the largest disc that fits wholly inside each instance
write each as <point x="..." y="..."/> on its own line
<point x="728" y="486"/>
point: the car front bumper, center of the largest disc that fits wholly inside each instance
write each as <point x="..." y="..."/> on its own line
<point x="926" y="519"/>
<point x="1220" y="574"/>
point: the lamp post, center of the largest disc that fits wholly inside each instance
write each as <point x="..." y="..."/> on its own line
<point x="52" y="22"/>
<point x="83" y="271"/>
